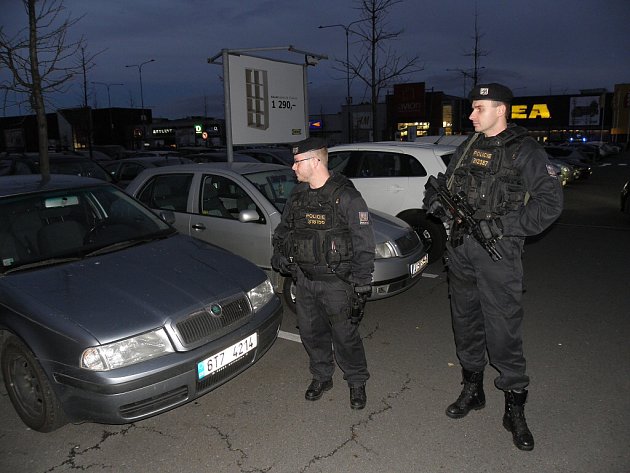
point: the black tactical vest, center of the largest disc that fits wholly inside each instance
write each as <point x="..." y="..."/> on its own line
<point x="319" y="241"/>
<point x="486" y="175"/>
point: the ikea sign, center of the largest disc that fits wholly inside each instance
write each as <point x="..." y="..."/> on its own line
<point x="528" y="112"/>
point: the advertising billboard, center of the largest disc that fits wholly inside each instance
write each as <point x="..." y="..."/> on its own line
<point x="267" y="100"/>
<point x="584" y="111"/>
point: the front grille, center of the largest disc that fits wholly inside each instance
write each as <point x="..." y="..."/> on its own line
<point x="154" y="404"/>
<point x="408" y="243"/>
<point x="201" y="325"/>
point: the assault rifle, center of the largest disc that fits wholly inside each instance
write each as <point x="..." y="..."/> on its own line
<point x="462" y="213"/>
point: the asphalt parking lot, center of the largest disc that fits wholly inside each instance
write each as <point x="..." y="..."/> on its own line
<point x="576" y="342"/>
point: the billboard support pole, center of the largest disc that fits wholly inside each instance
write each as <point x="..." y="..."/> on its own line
<point x="226" y="101"/>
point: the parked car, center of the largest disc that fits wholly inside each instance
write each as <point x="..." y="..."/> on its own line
<point x="391" y="177"/>
<point x="238" y="206"/>
<point x="270" y="155"/>
<point x="590" y="151"/>
<point x="220" y="157"/>
<point x="108" y="314"/>
<point x="125" y="170"/>
<point x="564" y="171"/>
<point x="625" y="202"/>
<point x="152" y="153"/>
<point x="572" y="157"/>
<point x="73" y="164"/>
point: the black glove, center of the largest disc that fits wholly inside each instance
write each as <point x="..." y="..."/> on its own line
<point x="364" y="291"/>
<point x="436" y="208"/>
<point x="491" y="229"/>
<point x="282" y="264"/>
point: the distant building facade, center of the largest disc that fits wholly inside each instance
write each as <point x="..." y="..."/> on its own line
<point x="412" y="111"/>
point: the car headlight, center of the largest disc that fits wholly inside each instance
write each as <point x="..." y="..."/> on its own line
<point x="385" y="250"/>
<point x="127" y="352"/>
<point x="260" y="295"/>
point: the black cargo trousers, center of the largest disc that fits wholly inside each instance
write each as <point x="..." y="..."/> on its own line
<point x="486" y="308"/>
<point x="323" y="306"/>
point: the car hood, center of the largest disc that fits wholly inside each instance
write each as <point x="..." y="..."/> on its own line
<point x="387" y="227"/>
<point x="130" y="291"/>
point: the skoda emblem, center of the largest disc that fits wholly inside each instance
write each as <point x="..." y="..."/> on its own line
<point x="215" y="310"/>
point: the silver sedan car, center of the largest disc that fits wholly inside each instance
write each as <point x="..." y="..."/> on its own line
<point x="238" y="205"/>
<point x="108" y="314"/>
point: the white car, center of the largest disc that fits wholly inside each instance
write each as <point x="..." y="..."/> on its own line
<point x="391" y="177"/>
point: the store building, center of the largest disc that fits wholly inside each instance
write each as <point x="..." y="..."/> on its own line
<point x="413" y="111"/>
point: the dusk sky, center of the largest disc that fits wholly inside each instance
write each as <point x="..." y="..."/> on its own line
<point x="536" y="47"/>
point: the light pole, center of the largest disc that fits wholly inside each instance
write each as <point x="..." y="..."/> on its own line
<point x="348" y="96"/>
<point x="108" y="85"/>
<point x="109" y="103"/>
<point x="139" y="66"/>
<point x="143" y="116"/>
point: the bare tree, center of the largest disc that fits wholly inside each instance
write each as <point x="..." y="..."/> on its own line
<point x="378" y="66"/>
<point x="38" y="58"/>
<point x="477" y="52"/>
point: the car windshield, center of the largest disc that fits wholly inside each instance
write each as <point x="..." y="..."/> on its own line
<point x="276" y="185"/>
<point x="38" y="228"/>
<point x="79" y="167"/>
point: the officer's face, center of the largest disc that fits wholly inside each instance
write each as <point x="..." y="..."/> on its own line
<point x="302" y="166"/>
<point x="488" y="117"/>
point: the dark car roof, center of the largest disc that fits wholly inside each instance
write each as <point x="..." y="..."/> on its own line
<point x="154" y="159"/>
<point x="239" y="168"/>
<point x="26" y="183"/>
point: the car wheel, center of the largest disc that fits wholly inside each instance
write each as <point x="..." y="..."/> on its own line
<point x="288" y="294"/>
<point x="420" y="222"/>
<point x="29" y="389"/>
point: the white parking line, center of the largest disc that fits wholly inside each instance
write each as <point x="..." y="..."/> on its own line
<point x="293" y="337"/>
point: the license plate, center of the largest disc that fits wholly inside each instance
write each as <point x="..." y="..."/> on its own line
<point x="219" y="360"/>
<point x="417" y="267"/>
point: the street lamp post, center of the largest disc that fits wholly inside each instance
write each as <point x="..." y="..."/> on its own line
<point x="143" y="116"/>
<point x="139" y="66"/>
<point x="108" y="85"/>
<point x="348" y="96"/>
<point x="109" y="103"/>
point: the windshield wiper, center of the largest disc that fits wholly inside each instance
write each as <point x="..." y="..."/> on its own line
<point x="121" y="245"/>
<point x="45" y="262"/>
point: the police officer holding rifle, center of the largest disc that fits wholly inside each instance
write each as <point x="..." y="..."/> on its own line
<point x="325" y="241"/>
<point x="501" y="178"/>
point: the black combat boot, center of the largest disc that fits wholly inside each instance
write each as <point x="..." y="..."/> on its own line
<point x="472" y="396"/>
<point x="514" y="419"/>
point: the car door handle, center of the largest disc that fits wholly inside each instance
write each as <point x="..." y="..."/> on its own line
<point x="198" y="226"/>
<point x="395" y="188"/>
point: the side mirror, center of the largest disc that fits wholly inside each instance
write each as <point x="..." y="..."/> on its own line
<point x="248" y="216"/>
<point x="168" y="216"/>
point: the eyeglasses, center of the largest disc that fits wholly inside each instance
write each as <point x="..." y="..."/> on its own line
<point x="302" y="160"/>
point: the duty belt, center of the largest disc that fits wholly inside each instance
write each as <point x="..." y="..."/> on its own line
<point x="319" y="276"/>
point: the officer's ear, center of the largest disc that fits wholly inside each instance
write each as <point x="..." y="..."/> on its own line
<point x="501" y="109"/>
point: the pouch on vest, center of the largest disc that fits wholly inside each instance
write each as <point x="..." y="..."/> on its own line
<point x="338" y="246"/>
<point x="305" y="245"/>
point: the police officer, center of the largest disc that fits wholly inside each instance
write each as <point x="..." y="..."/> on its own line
<point x="325" y="241"/>
<point x="507" y="179"/>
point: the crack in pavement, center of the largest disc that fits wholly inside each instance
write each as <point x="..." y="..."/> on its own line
<point x="354" y="427"/>
<point x="75" y="452"/>
<point x="371" y="334"/>
<point x="243" y="456"/>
